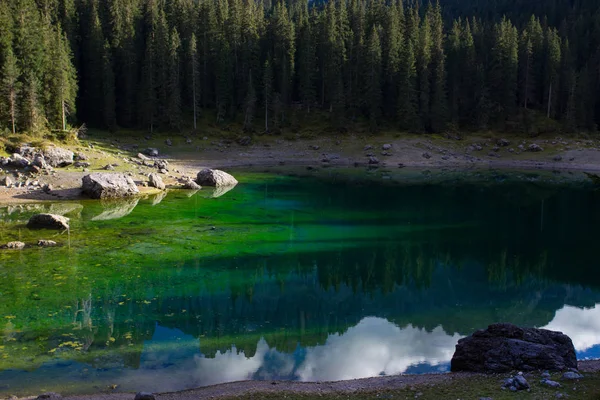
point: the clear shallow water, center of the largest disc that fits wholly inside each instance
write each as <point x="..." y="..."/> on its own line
<point x="320" y="278"/>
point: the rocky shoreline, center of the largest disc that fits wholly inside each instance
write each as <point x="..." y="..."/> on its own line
<point x="51" y="173"/>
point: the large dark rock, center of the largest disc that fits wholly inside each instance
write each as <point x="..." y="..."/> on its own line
<point x="48" y="221"/>
<point x="506" y="347"/>
<point x="215" y="177"/>
<point x="108" y="186"/>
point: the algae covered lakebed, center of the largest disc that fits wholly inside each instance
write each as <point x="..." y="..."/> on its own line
<point x="310" y="278"/>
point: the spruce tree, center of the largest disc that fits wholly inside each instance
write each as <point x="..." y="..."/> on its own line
<point x="373" y="93"/>
<point x="438" y="108"/>
<point x="108" y="90"/>
<point x="173" y="84"/>
<point x="9" y="89"/>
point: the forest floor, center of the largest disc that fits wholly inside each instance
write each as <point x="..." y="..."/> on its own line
<point x="187" y="154"/>
<point x="448" y="386"/>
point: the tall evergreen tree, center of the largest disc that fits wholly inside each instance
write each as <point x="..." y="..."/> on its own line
<point x="373" y="84"/>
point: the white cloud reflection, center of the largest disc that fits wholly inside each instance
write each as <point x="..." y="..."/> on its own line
<point x="582" y="325"/>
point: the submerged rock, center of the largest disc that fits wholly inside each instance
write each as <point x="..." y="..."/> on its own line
<point x="58" y="157"/>
<point x="48" y="221"/>
<point x="215" y="177"/>
<point x="156" y="181"/>
<point x="506" y="347"/>
<point x="107" y="186"/>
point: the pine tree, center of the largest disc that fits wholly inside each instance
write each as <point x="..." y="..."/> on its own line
<point x="63" y="82"/>
<point x="9" y="88"/>
<point x="373" y="87"/>
<point x="194" y="71"/>
<point x="249" y="105"/>
<point x="551" y="71"/>
<point x="424" y="72"/>
<point x="91" y="65"/>
<point x="267" y="91"/>
<point x="173" y="84"/>
<point x="455" y="72"/>
<point x="438" y="108"/>
<point x="306" y="63"/>
<point x="392" y="44"/>
<point x="108" y="90"/>
<point x="407" y="98"/>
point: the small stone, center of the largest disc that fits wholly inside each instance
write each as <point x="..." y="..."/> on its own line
<point x="503" y="142"/>
<point x="7" y="181"/>
<point x="373" y="160"/>
<point x="426" y="155"/>
<point x="168" y="142"/>
<point x="191" y="185"/>
<point x="188" y="141"/>
<point x="144" y="396"/>
<point x="550" y="383"/>
<point x="46" y="243"/>
<point x="535" y="148"/>
<point x="314" y="147"/>
<point x="386" y="146"/>
<point x="571" y="375"/>
<point x="108" y="167"/>
<point x="546" y="375"/>
<point x="368" y="147"/>
<point x="511" y="150"/>
<point x="557" y="158"/>
<point x="14" y="245"/>
<point x="163" y="171"/>
<point x="445" y="157"/>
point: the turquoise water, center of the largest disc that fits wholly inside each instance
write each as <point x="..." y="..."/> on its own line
<point x="314" y="278"/>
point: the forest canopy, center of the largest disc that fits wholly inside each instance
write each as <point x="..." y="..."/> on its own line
<point x="163" y="64"/>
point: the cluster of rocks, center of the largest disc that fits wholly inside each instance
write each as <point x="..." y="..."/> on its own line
<point x="18" y="245"/>
<point x="372" y="160"/>
<point x="515" y="383"/>
<point x="41" y="221"/>
<point x="27" y="162"/>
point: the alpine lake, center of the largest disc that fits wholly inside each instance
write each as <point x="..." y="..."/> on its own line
<point x="294" y="275"/>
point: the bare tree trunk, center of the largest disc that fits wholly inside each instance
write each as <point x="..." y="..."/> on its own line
<point x="64" y="120"/>
<point x="266" y="115"/>
<point x="549" y="99"/>
<point x="194" y="89"/>
<point x="12" y="111"/>
<point x="526" y="84"/>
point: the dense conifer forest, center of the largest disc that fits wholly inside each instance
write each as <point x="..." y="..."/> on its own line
<point x="511" y="65"/>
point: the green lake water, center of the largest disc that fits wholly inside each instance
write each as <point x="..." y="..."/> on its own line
<point x="313" y="278"/>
